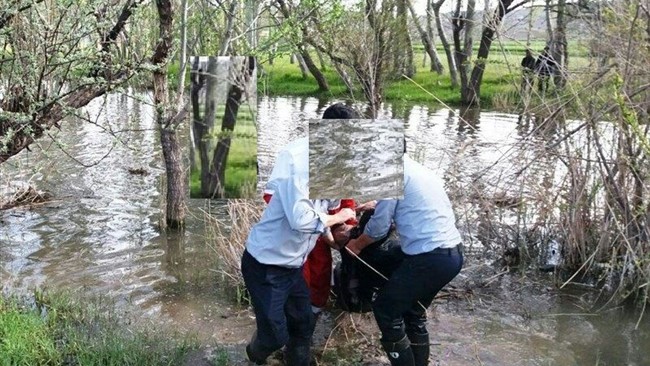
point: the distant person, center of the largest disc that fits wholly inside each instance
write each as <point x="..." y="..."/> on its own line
<point x="545" y="68"/>
<point x="528" y="69"/>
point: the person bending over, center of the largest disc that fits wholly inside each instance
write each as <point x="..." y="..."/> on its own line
<point x="425" y="222"/>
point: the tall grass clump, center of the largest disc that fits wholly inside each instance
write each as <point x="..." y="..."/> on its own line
<point x="227" y="238"/>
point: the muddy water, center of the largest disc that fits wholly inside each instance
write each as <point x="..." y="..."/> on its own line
<point x="100" y="234"/>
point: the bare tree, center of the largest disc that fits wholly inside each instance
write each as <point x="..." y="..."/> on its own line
<point x="41" y="89"/>
<point x="462" y="25"/>
<point x="434" y="8"/>
<point x="427" y="41"/>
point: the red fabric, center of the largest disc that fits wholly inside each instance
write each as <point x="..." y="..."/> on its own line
<point x="317" y="270"/>
<point x="318" y="273"/>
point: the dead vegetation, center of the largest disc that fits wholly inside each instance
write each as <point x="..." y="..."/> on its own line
<point x="24" y="196"/>
<point x="228" y="239"/>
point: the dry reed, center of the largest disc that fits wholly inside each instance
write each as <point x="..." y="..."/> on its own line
<point x="227" y="238"/>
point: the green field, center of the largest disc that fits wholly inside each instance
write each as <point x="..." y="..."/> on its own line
<point x="502" y="77"/>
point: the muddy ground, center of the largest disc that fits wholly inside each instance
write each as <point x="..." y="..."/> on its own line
<point x="486" y="316"/>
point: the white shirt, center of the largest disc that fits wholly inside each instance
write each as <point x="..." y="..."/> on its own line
<point x="291" y="223"/>
<point x="424" y="218"/>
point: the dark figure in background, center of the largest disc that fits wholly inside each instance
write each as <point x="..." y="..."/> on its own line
<point x="545" y="68"/>
<point x="528" y="69"/>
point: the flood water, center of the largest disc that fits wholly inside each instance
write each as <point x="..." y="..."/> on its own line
<point x="100" y="234"/>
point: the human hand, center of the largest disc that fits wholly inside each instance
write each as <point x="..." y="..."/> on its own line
<point x="346" y="214"/>
<point x="353" y="248"/>
<point x="341" y="234"/>
<point x="370" y="205"/>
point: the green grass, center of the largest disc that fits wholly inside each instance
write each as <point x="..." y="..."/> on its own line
<point x="241" y="172"/>
<point x="62" y="329"/>
<point x="502" y="77"/>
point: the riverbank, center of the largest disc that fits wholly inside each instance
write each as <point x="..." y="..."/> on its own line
<point x="65" y="329"/>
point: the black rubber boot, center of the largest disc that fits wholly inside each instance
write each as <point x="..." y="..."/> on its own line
<point x="255" y="352"/>
<point x="420" y="348"/>
<point x="399" y="353"/>
<point x="297" y="352"/>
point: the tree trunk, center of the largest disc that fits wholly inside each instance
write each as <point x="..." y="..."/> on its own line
<point x="207" y="125"/>
<point x="183" y="57"/>
<point x="429" y="46"/>
<point x="220" y="156"/>
<point x="303" y="67"/>
<point x="403" y="49"/>
<point x="176" y="182"/>
<point x="198" y="81"/>
<point x="451" y="61"/>
<point x="473" y="96"/>
<point x="230" y="25"/>
<point x="549" y="25"/>
<point x="464" y="51"/>
<point x="313" y="69"/>
<point x="559" y="49"/>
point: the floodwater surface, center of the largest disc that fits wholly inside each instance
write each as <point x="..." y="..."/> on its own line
<point x="100" y="234"/>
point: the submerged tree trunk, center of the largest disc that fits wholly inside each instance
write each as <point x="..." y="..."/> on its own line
<point x="463" y="51"/>
<point x="427" y="41"/>
<point x="167" y="123"/>
<point x="176" y="180"/>
<point x="451" y="62"/>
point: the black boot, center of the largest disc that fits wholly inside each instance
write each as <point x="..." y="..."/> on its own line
<point x="297" y="352"/>
<point x="420" y="348"/>
<point x="255" y="352"/>
<point x="399" y="353"/>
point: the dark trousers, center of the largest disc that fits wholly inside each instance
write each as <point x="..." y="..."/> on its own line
<point x="417" y="279"/>
<point x="281" y="304"/>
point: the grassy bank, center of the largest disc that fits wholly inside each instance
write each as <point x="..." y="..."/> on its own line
<point x="59" y="329"/>
<point x="502" y="77"/>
